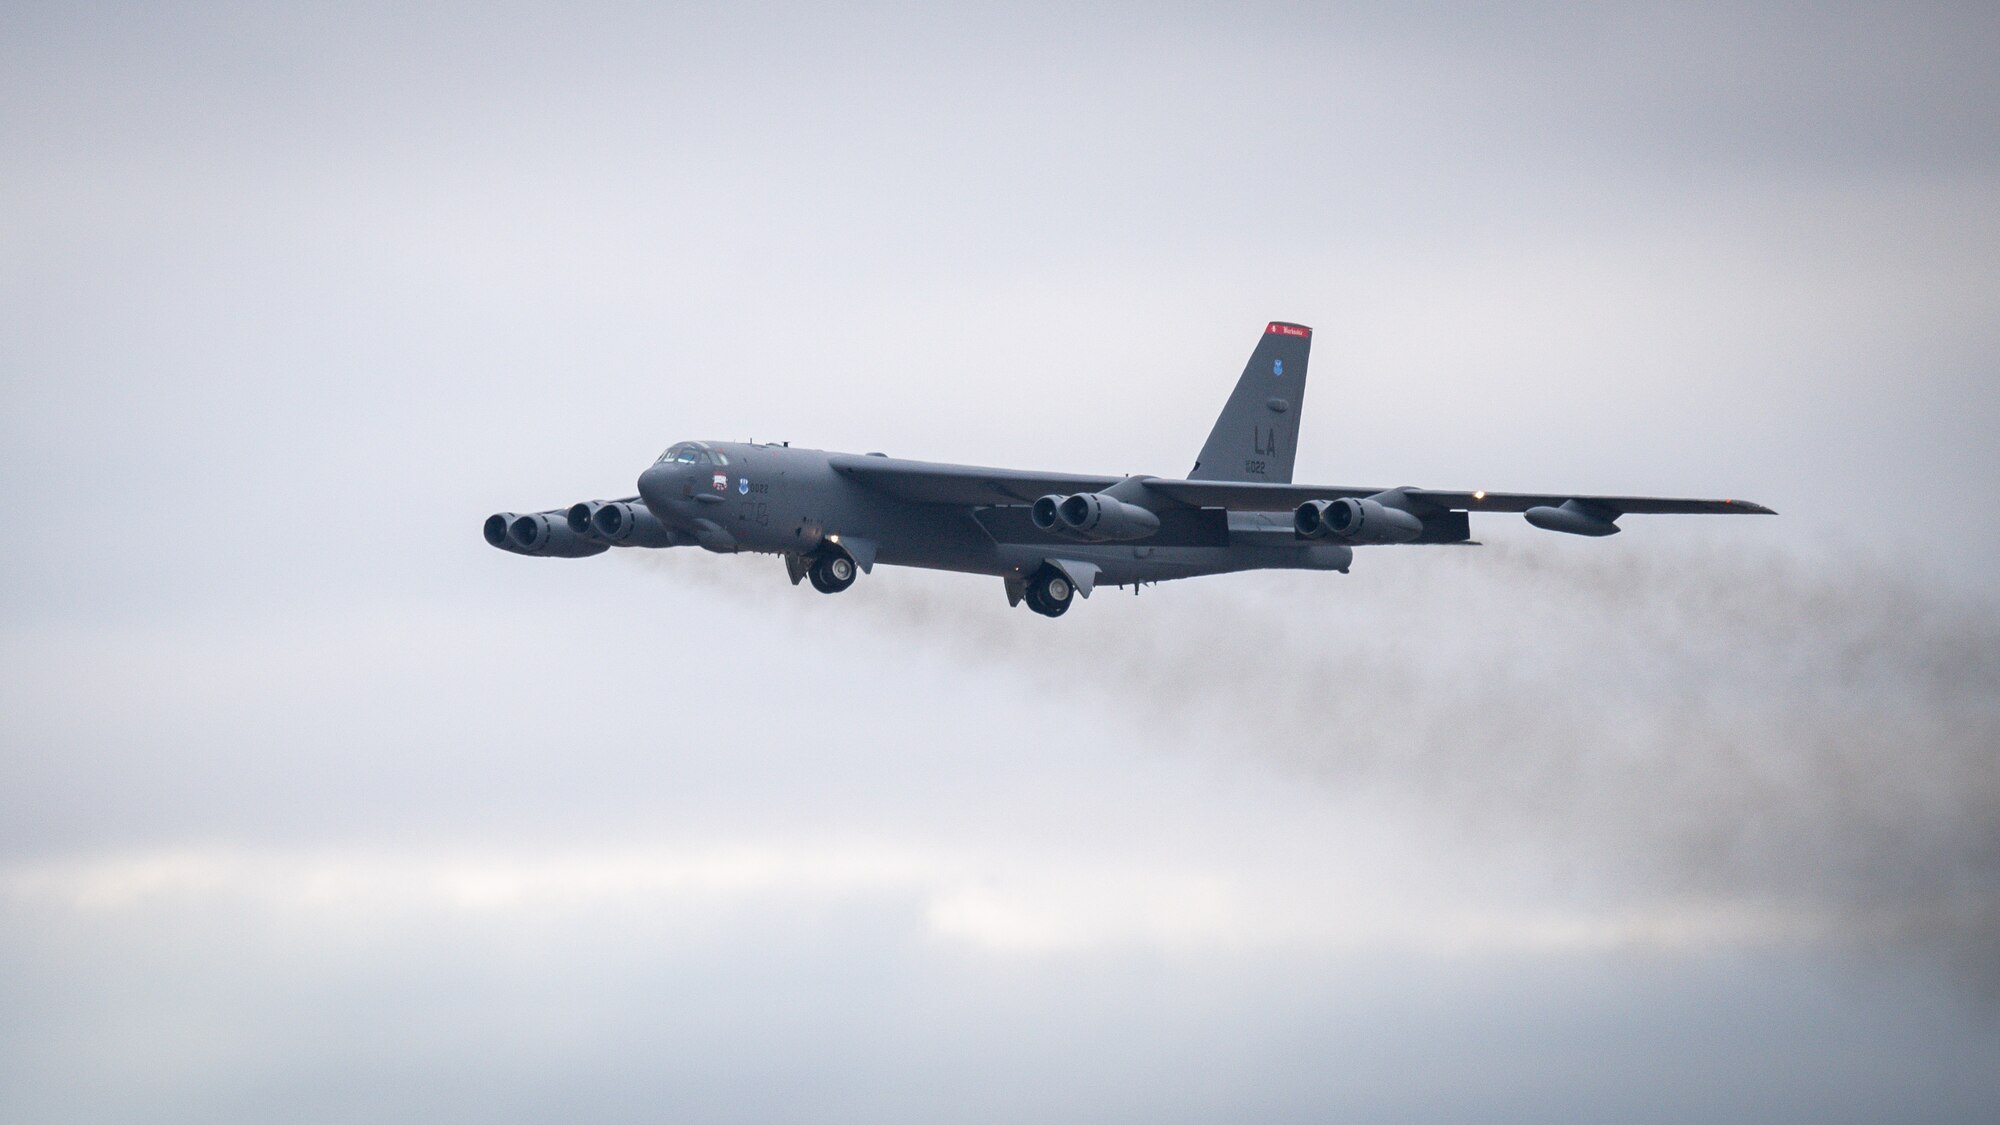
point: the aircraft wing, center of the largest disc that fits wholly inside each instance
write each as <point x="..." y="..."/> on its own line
<point x="1255" y="497"/>
<point x="926" y="482"/>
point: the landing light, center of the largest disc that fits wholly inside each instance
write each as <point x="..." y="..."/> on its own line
<point x="1479" y="495"/>
<point x="833" y="538"/>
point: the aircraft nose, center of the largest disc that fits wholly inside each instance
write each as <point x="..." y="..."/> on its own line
<point x="658" y="484"/>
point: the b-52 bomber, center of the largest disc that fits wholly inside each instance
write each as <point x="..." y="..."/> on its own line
<point x="1050" y="537"/>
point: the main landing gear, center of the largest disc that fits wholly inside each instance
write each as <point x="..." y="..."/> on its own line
<point x="831" y="572"/>
<point x="1049" y="592"/>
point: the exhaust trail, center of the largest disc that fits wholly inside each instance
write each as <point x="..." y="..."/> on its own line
<point x="1779" y="728"/>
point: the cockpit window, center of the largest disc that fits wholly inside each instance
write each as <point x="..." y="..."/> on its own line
<point x="689" y="453"/>
<point x="719" y="457"/>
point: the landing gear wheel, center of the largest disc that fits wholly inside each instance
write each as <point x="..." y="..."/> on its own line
<point x="832" y="573"/>
<point x="1049" y="593"/>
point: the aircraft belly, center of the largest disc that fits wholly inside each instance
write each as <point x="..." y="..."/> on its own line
<point x="947" y="539"/>
<point x="937" y="537"/>
<point x="1119" y="564"/>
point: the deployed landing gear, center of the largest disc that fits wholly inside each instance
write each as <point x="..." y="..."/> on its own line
<point x="832" y="572"/>
<point x="1049" y="592"/>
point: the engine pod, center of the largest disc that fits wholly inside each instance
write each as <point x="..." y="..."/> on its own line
<point x="1349" y="520"/>
<point x="1095" y="516"/>
<point x="625" y="524"/>
<point x="548" y="534"/>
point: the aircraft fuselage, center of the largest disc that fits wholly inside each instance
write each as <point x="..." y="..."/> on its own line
<point x="779" y="499"/>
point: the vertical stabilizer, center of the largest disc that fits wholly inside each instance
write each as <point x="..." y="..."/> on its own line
<point x="1256" y="438"/>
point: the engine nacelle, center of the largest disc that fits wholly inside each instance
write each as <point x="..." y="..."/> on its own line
<point x="579" y="517"/>
<point x="1356" y="521"/>
<point x="543" y="533"/>
<point x="626" y="524"/>
<point x="496" y="530"/>
<point x="1093" y="517"/>
<point x="1046" y="513"/>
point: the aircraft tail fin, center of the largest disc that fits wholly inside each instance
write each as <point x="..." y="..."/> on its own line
<point x="1256" y="437"/>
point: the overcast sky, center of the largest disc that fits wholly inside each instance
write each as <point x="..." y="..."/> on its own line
<point x="313" y="807"/>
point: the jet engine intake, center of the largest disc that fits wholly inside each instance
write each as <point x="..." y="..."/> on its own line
<point x="626" y="524"/>
<point x="496" y="529"/>
<point x="1093" y="517"/>
<point x="579" y="517"/>
<point x="1046" y="513"/>
<point x="1356" y="521"/>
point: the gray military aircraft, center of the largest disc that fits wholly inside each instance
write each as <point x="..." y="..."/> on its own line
<point x="1050" y="536"/>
